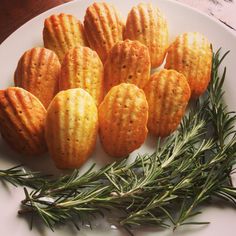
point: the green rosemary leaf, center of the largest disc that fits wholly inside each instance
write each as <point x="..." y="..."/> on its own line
<point x="195" y="223"/>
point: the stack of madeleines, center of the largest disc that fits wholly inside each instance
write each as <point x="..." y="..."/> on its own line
<point x="96" y="78"/>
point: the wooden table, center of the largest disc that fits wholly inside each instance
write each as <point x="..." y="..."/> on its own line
<point x="14" y="13"/>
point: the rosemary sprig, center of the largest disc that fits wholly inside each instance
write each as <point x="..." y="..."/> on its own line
<point x="19" y="176"/>
<point x="189" y="167"/>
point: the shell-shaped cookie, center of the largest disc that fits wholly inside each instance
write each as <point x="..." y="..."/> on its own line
<point x="167" y="93"/>
<point x="191" y="55"/>
<point x="71" y="128"/>
<point x="82" y="68"/>
<point x="148" y="25"/>
<point x="63" y="32"/>
<point x="127" y="62"/>
<point x="22" y="118"/>
<point x="38" y="72"/>
<point x="103" y="27"/>
<point x="123" y="118"/>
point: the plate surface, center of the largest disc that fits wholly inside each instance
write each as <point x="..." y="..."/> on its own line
<point x="180" y="19"/>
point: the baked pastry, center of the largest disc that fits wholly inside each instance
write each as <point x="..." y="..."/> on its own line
<point x="63" y="32"/>
<point x="38" y="72"/>
<point x="148" y="25"/>
<point x="127" y="62"/>
<point x="82" y="68"/>
<point x="123" y="118"/>
<point x="167" y="93"/>
<point x="191" y="55"/>
<point x="22" y="118"/>
<point x="103" y="27"/>
<point x="71" y="128"/>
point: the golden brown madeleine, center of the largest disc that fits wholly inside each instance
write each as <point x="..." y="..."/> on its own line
<point x="123" y="118"/>
<point x="167" y="93"/>
<point x="22" y="118"/>
<point x="129" y="62"/>
<point x="63" y="32"/>
<point x="147" y="24"/>
<point x="71" y="128"/>
<point x="82" y="68"/>
<point x="103" y="27"/>
<point x="38" y="72"/>
<point x="191" y="55"/>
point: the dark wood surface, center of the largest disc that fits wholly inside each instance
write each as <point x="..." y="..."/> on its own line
<point x="14" y="13"/>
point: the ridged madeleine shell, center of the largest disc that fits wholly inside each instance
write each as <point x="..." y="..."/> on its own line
<point x="128" y="62"/>
<point x="123" y="118"/>
<point x="38" y="72"/>
<point x="191" y="55"/>
<point x="22" y="119"/>
<point x="71" y="128"/>
<point x="103" y="27"/>
<point x="167" y="93"/>
<point x="82" y="68"/>
<point x="148" y="25"/>
<point x="63" y="32"/>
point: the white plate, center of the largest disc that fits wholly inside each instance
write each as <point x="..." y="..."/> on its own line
<point x="181" y="19"/>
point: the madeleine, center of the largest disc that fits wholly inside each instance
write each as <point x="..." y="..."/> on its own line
<point x="167" y="94"/>
<point x="82" y="68"/>
<point x="123" y="118"/>
<point x="62" y="32"/>
<point x="71" y="128"/>
<point x="38" y="72"/>
<point x="128" y="62"/>
<point x="22" y="118"/>
<point x="191" y="55"/>
<point x="148" y="25"/>
<point x="103" y="27"/>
